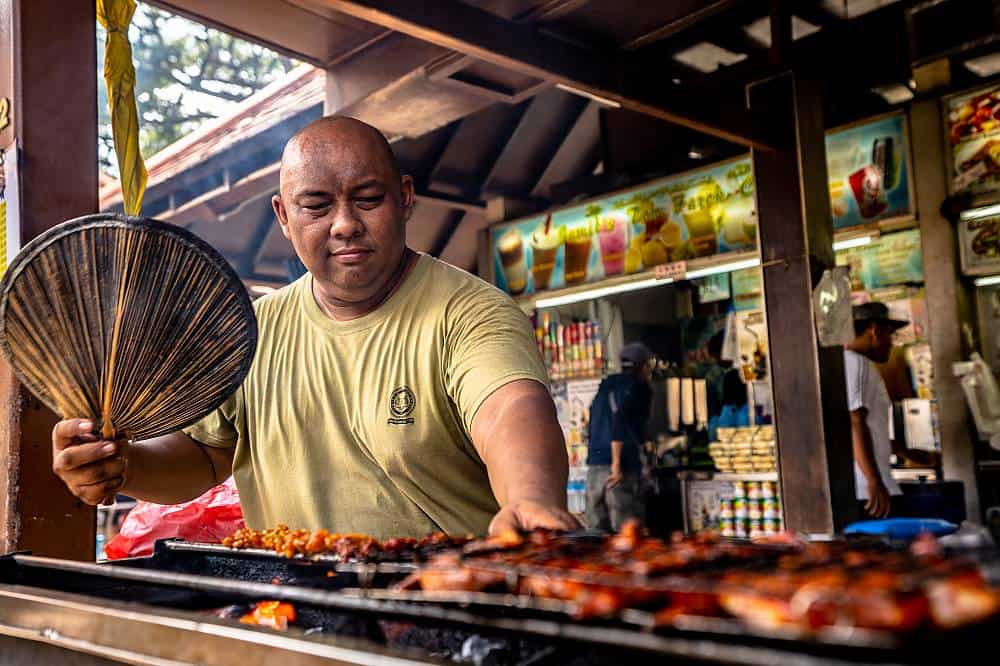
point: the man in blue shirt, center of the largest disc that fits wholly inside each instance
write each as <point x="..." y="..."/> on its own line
<point x="618" y="417"/>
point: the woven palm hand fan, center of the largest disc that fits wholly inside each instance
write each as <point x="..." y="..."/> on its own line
<point x="133" y="323"/>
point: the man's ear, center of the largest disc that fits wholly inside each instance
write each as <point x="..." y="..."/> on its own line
<point x="279" y="211"/>
<point x="408" y="197"/>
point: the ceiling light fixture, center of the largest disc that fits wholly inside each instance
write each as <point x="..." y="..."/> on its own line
<point x="894" y="93"/>
<point x="987" y="281"/>
<point x="848" y="243"/>
<point x="707" y="57"/>
<point x="984" y="66"/>
<point x="600" y="292"/>
<point x="979" y="213"/>
<point x="760" y="30"/>
<point x="722" y="268"/>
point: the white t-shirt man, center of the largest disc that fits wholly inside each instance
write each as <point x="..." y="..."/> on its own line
<point x="865" y="389"/>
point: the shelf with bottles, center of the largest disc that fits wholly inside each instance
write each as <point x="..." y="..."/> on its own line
<point x="572" y="350"/>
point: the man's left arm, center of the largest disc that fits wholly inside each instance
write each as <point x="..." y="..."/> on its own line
<point x="517" y="435"/>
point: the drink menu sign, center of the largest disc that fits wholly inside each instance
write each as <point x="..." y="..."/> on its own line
<point x="868" y="170"/>
<point x="973" y="124"/>
<point x="696" y="214"/>
<point x="890" y="260"/>
<point x="979" y="243"/>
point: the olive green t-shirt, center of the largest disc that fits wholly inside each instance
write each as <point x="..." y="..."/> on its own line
<point x="363" y="425"/>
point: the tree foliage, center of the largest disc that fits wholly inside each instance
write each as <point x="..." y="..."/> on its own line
<point x="186" y="74"/>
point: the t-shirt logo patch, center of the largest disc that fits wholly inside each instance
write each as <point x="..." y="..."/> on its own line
<point x="401" y="405"/>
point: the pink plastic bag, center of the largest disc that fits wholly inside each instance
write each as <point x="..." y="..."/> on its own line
<point x="208" y="518"/>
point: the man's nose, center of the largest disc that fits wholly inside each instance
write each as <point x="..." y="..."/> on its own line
<point x="346" y="224"/>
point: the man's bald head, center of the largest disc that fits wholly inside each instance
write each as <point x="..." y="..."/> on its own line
<point x="338" y="132"/>
<point x="344" y="205"/>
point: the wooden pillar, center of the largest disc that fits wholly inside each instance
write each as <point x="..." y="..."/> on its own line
<point x="796" y="245"/>
<point x="48" y="59"/>
<point x="948" y="303"/>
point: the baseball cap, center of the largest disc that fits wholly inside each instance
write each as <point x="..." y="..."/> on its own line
<point x="634" y="354"/>
<point x="876" y="312"/>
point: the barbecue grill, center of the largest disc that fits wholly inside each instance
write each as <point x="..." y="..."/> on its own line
<point x="165" y="609"/>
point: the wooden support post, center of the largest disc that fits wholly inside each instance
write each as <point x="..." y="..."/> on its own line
<point x="50" y="48"/>
<point x="948" y="303"/>
<point x="796" y="245"/>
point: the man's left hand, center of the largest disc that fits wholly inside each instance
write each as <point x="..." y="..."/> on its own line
<point x="530" y="515"/>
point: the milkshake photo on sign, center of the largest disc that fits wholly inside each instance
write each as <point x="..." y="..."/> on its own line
<point x="511" y="249"/>
<point x="545" y="243"/>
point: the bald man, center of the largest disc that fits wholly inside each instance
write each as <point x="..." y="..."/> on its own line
<point x="391" y="394"/>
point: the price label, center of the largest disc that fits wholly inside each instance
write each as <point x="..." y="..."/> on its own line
<point x="673" y="271"/>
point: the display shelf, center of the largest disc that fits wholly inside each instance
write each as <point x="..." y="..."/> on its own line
<point x="708" y="475"/>
<point x="914" y="473"/>
<point x="573" y="378"/>
<point x="749" y="476"/>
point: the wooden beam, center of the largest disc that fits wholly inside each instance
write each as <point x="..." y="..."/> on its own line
<point x="524" y="48"/>
<point x="781" y="31"/>
<point x="217" y="203"/>
<point x="674" y="27"/>
<point x="447" y="231"/>
<point x="52" y="86"/>
<point x="796" y="244"/>
<point x="248" y="262"/>
<point x="454" y="203"/>
<point x="578" y="152"/>
<point x="551" y="10"/>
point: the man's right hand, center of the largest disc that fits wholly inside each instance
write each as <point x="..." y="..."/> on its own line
<point x="879" y="503"/>
<point x="90" y="467"/>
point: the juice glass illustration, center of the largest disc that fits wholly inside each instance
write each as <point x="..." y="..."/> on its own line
<point x="579" y="243"/>
<point x="611" y="238"/>
<point x="633" y="256"/>
<point x="702" y="215"/>
<point x="511" y="250"/>
<point x="545" y="244"/>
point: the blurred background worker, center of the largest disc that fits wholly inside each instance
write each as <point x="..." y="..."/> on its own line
<point x="618" y="418"/>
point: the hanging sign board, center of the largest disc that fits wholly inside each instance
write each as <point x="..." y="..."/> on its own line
<point x="972" y="121"/>
<point x="868" y="170"/>
<point x="697" y="214"/>
<point x="979" y="245"/>
<point x="891" y="259"/>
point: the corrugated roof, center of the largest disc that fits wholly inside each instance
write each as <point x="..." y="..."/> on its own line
<point x="301" y="88"/>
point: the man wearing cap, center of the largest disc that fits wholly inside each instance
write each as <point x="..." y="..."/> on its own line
<point x="871" y="408"/>
<point x="618" y="417"/>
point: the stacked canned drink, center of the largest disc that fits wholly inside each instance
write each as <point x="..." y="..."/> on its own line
<point x="753" y="511"/>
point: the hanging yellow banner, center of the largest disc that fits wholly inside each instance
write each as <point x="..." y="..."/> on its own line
<point x="119" y="75"/>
